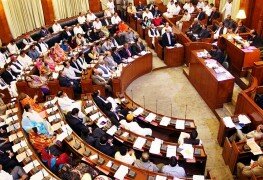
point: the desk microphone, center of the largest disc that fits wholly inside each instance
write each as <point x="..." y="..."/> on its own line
<point x="156" y="106"/>
<point x="143" y="102"/>
<point x="132" y="97"/>
<point x="185" y="111"/>
<point x="171" y="110"/>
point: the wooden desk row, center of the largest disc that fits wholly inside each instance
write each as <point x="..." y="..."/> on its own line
<point x="129" y="138"/>
<point x="23" y="146"/>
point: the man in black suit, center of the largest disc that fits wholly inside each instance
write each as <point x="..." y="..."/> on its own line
<point x="76" y="123"/>
<point x="105" y="145"/>
<point x="254" y="39"/>
<point x="204" y="33"/>
<point x="240" y="28"/>
<point x="126" y="51"/>
<point x="229" y="23"/>
<point x="217" y="54"/>
<point x="168" y="39"/>
<point x="105" y="21"/>
<point x="116" y="55"/>
<point x="120" y="38"/>
<point x="151" y="5"/>
<point x="67" y="34"/>
<point x="137" y="47"/>
<point x="156" y="12"/>
<point x="214" y="15"/>
<point x="87" y="26"/>
<point x="140" y="7"/>
<point x="44" y="32"/>
<point x="64" y="81"/>
<point x="7" y="75"/>
<point x="195" y="28"/>
<point x="201" y="14"/>
<point x="100" y="101"/>
<point x="192" y="140"/>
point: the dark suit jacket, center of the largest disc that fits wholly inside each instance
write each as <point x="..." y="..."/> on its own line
<point x="86" y="27"/>
<point x="125" y="54"/>
<point x="196" y="28"/>
<point x="114" y="118"/>
<point x="103" y="22"/>
<point x="44" y="32"/>
<point x="7" y="77"/>
<point x="191" y="141"/>
<point x="116" y="58"/>
<point x="136" y="49"/>
<point x="204" y="33"/>
<point x="140" y="8"/>
<point x="214" y="15"/>
<point x="165" y="41"/>
<point x="64" y="81"/>
<point x="256" y="41"/>
<point x="201" y="16"/>
<point x="240" y="29"/>
<point x="101" y="104"/>
<point x="76" y="124"/>
<point x="229" y="23"/>
<point x="157" y="12"/>
<point x="218" y="55"/>
<point x="106" y="149"/>
<point x="120" y="39"/>
<point x="66" y="36"/>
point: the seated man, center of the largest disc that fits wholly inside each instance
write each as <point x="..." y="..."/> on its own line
<point x="70" y="72"/>
<point x="91" y="16"/>
<point x="116" y="56"/>
<point x="24" y="59"/>
<point x="109" y="61"/>
<point x="78" y="30"/>
<point x="229" y="23"/>
<point x="81" y="18"/>
<point x="97" y="24"/>
<point x="129" y="36"/>
<point x="214" y="15"/>
<point x="33" y="53"/>
<point x="134" y="126"/>
<point x="77" y="123"/>
<point x="64" y="81"/>
<point x="104" y="70"/>
<point x="115" y="19"/>
<point x="256" y="134"/>
<point x="186" y="17"/>
<point x="156" y="12"/>
<point x="173" y="169"/>
<point x="56" y="27"/>
<point x="173" y="8"/>
<point x="204" y="33"/>
<point x="256" y="169"/>
<point x="254" y="39"/>
<point x="147" y="13"/>
<point x="105" y="145"/>
<point x="195" y="28"/>
<point x="98" y="79"/>
<point x="192" y="139"/>
<point x="137" y="47"/>
<point x="217" y="54"/>
<point x="12" y="47"/>
<point x="125" y="156"/>
<point x="145" y="163"/>
<point x="220" y="30"/>
<point x="201" y="14"/>
<point x="168" y="39"/>
<point x="131" y="9"/>
<point x="27" y="41"/>
<point x="126" y="51"/>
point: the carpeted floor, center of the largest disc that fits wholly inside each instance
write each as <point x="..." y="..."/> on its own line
<point x="170" y="87"/>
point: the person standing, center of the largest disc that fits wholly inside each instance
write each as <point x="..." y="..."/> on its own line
<point x="227" y="9"/>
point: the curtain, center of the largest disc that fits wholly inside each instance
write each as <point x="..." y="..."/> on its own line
<point x="69" y="8"/>
<point x="23" y="15"/>
<point x="235" y="7"/>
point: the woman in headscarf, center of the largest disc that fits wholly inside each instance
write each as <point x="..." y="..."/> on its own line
<point x="41" y="82"/>
<point x="58" y="53"/>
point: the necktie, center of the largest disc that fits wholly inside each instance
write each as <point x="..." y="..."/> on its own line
<point x="129" y="53"/>
<point x="169" y="38"/>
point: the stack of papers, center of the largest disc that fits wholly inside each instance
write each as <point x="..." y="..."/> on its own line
<point x="30" y="166"/>
<point x="188" y="151"/>
<point x="14" y="110"/>
<point x="66" y="128"/>
<point x="150" y="117"/>
<point x="139" y="143"/>
<point x="11" y="119"/>
<point x="95" y="116"/>
<point x="255" y="149"/>
<point x="165" y="121"/>
<point x="23" y="155"/>
<point x="171" y="151"/>
<point x="89" y="109"/>
<point x="243" y="119"/>
<point x="121" y="172"/>
<point x="112" y="130"/>
<point x="19" y="145"/>
<point x="54" y="117"/>
<point x="14" y="136"/>
<point x="159" y="177"/>
<point x="156" y="146"/>
<point x="13" y="127"/>
<point x="180" y="124"/>
<point x="52" y="109"/>
<point x="228" y="122"/>
<point x="138" y="111"/>
<point x="39" y="175"/>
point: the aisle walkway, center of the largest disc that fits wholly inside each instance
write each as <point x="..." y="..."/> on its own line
<point x="170" y="86"/>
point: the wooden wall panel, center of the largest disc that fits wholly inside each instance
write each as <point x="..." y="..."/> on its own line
<point x="5" y="33"/>
<point x="95" y="5"/>
<point x="48" y="11"/>
<point x="136" y="2"/>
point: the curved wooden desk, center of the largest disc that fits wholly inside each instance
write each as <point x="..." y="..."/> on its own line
<point x="142" y="65"/>
<point x="40" y="169"/>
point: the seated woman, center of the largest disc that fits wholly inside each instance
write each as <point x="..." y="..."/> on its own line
<point x="80" y="40"/>
<point x="146" y="22"/>
<point x="25" y="99"/>
<point x="40" y="141"/>
<point x="134" y="126"/>
<point x="123" y="27"/>
<point x="32" y="119"/>
<point x="41" y="82"/>
<point x="51" y="63"/>
<point x="43" y="68"/>
<point x="57" y="54"/>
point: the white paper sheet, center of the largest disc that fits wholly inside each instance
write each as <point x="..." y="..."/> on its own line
<point x="180" y="124"/>
<point x="53" y="117"/>
<point x="8" y="111"/>
<point x="112" y="130"/>
<point x="11" y="119"/>
<point x="188" y="151"/>
<point x="165" y="121"/>
<point x="198" y="177"/>
<point x="139" y="142"/>
<point x="89" y="109"/>
<point x="14" y="136"/>
<point x="255" y="149"/>
<point x="125" y="134"/>
<point x="121" y="172"/>
<point x="150" y="117"/>
<point x="39" y="175"/>
<point x="243" y="119"/>
<point x="57" y="126"/>
<point x="13" y="127"/>
<point x="95" y="116"/>
<point x="155" y="147"/>
<point x="30" y="166"/>
<point x="52" y="109"/>
<point x="19" y="145"/>
<point x="228" y="122"/>
<point x="171" y="151"/>
<point x="138" y="111"/>
<point x="159" y="177"/>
